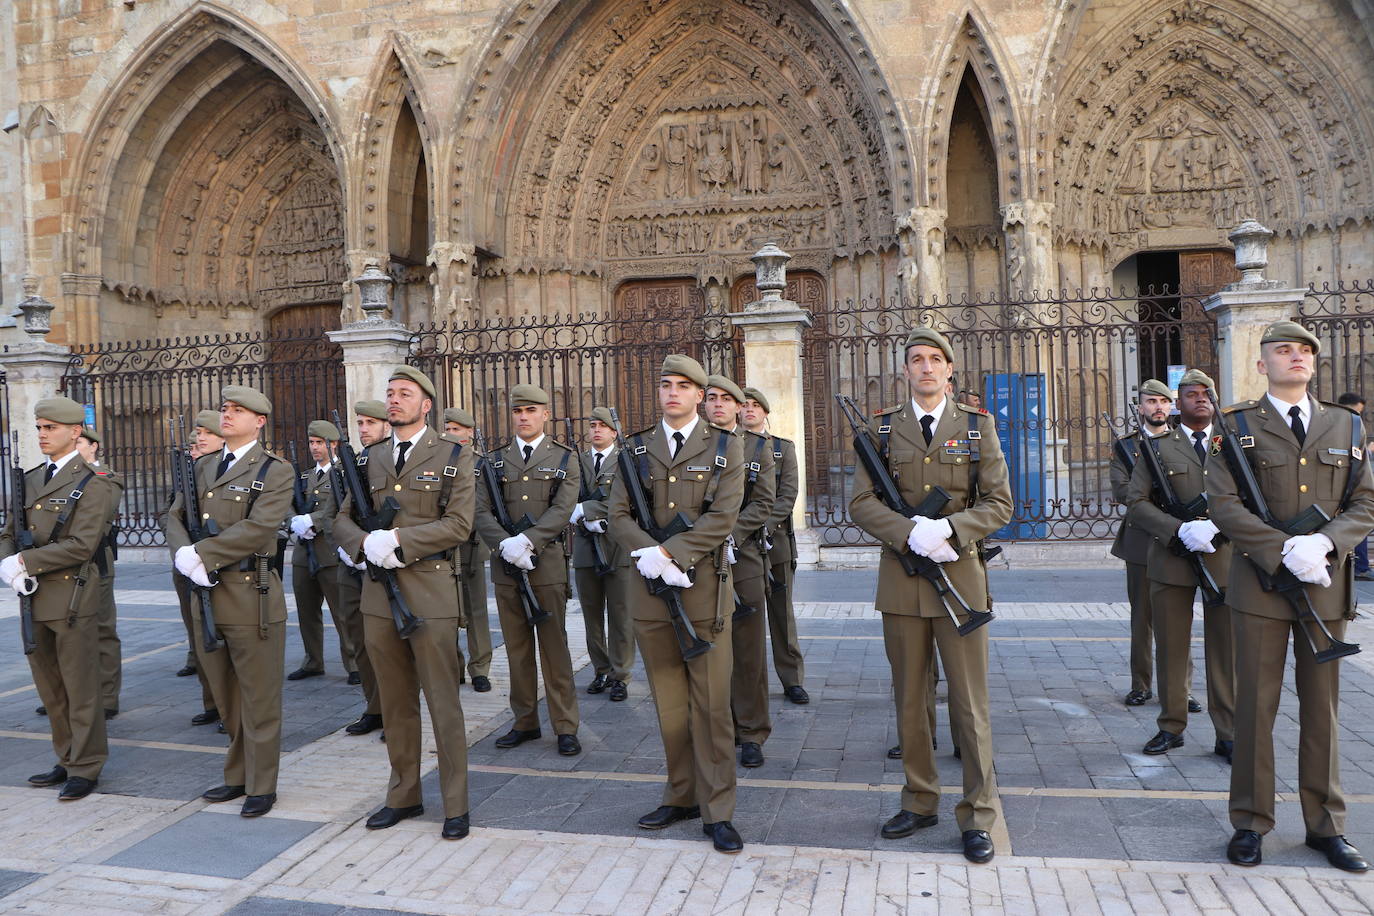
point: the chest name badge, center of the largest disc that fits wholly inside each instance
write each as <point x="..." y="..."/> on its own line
<point x="697" y="467"/>
<point x="235" y="488"/>
<point x="956" y="451"/>
<point x="1337" y="451"/>
<point x="58" y="500"/>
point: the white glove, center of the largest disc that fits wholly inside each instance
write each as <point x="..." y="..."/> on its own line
<point x="675" y="576"/>
<point x="651" y="561"/>
<point x="11" y="568"/>
<point x="190" y="565"/>
<point x="525" y="561"/>
<point x="514" y="548"/>
<point x="303" y="527"/>
<point x="578" y="512"/>
<point x="595" y="525"/>
<point x="1317" y="575"/>
<point x="730" y="554"/>
<point x="928" y="533"/>
<point x="1197" y="535"/>
<point x="24" y="585"/>
<point x="944" y="553"/>
<point x="346" y="560"/>
<point x="378" y="546"/>
<point x="1304" y="554"/>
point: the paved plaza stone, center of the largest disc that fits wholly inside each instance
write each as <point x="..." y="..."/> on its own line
<point x="1090" y="823"/>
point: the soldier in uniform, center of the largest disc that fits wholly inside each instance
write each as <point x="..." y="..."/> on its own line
<point x="782" y="554"/>
<point x="430" y="475"/>
<point x="246" y="491"/>
<point x="370" y="420"/>
<point x="1183" y="456"/>
<point x="68" y="504"/>
<point x="205" y="440"/>
<point x="1132" y="544"/>
<point x="749" y="680"/>
<point x="316" y="529"/>
<point x="111" y="662"/>
<point x="471" y="572"/>
<point x="1303" y="453"/>
<point x="610" y="634"/>
<point x="931" y="441"/>
<point x="539" y="480"/>
<point x="688" y="467"/>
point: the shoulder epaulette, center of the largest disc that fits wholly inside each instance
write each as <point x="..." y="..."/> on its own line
<point x="783" y="440"/>
<point x="449" y="438"/>
<point x="35" y="468"/>
<point x="641" y="432"/>
<point x="272" y="456"/>
<point x="1342" y="406"/>
<point x="1243" y="405"/>
<point x="721" y="428"/>
<point x="967" y="408"/>
<point x="887" y="410"/>
<point x="564" y="447"/>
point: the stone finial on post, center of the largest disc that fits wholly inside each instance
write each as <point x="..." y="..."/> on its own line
<point x="36" y="311"/>
<point x="770" y="275"/>
<point x="373" y="346"/>
<point x="1252" y="250"/>
<point x="374" y="289"/>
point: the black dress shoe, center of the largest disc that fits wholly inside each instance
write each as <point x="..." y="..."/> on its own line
<point x="723" y="836"/>
<point x="1339" y="852"/>
<point x="186" y="671"/>
<point x="797" y="694"/>
<point x="905" y="823"/>
<point x="957" y="754"/>
<point x="222" y="793"/>
<point x="258" y="805"/>
<point x="1194" y="705"/>
<point x="1162" y="742"/>
<point x="54" y="777"/>
<point x="977" y="846"/>
<point x="895" y="752"/>
<point x="76" y="787"/>
<point x="220" y="727"/>
<point x="354" y="679"/>
<point x="301" y="674"/>
<point x="42" y="710"/>
<point x="1224" y="749"/>
<point x="750" y="754"/>
<point x="455" y="828"/>
<point x="598" y="684"/>
<point x="390" y="817"/>
<point x="516" y="737"/>
<point x="619" y="692"/>
<point x="367" y="722"/>
<point x="110" y="714"/>
<point x="569" y="746"/>
<point x="667" y="815"/>
<point x="481" y="683"/>
<point x="1244" y="848"/>
<point x="205" y="718"/>
<point x="1138" y="697"/>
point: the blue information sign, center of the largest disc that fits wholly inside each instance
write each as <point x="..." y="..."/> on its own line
<point x="1017" y="404"/>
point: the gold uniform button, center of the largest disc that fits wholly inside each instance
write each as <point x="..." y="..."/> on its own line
<point x="958" y="461"/>
<point x="205" y="515"/>
<point x="672" y="480"/>
<point x="525" y="478"/>
<point x="701" y="477"/>
<point x="398" y="488"/>
<point x="426" y="486"/>
<point x="1302" y="488"/>
<point x="525" y="496"/>
<point x="1302" y="461"/>
<point x="926" y="460"/>
<point x="927" y="486"/>
<point x="672" y="505"/>
<point x="210" y="495"/>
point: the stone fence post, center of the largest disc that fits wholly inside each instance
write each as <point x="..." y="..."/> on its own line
<point x="33" y="370"/>
<point x="373" y="346"/>
<point x="1243" y="310"/>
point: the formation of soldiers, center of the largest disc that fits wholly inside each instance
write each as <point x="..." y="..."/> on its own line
<point x="682" y="545"/>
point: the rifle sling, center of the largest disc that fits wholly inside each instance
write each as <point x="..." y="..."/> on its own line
<point x="753" y="467"/>
<point x="74" y="497"/>
<point x="1357" y="460"/>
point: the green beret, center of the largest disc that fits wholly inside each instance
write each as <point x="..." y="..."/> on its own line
<point x="758" y="396"/>
<point x="1156" y="387"/>
<point x="323" y="429"/>
<point x="1290" y="332"/>
<point x="527" y="395"/>
<point x="724" y="384"/>
<point x="685" y="366"/>
<point x="603" y="414"/>
<point x="1197" y="377"/>
<point x="208" y="419"/>
<point x="930" y="338"/>
<point x="460" y="416"/>
<point x="247" y="398"/>
<point x="374" y="409"/>
<point x="411" y="374"/>
<point x="60" y="410"/>
<point x="88" y="433"/>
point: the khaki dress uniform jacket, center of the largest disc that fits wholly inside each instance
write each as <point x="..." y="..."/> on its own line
<point x="610" y="633"/>
<point x="313" y="592"/>
<point x="749" y="680"/>
<point x="1132" y="546"/>
<point x="782" y="619"/>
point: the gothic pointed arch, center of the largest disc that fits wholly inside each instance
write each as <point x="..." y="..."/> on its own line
<point x="1175" y="124"/>
<point x="612" y="139"/>
<point x="211" y="177"/>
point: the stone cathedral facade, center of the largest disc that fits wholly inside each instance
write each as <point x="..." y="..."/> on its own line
<point x="175" y="167"/>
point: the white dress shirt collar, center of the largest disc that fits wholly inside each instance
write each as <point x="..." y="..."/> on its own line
<point x="686" y="432"/>
<point x="238" y="452"/>
<point x="937" y="413"/>
<point x="532" y="445"/>
<point x="1304" y="409"/>
<point x="413" y="440"/>
<point x="63" y="461"/>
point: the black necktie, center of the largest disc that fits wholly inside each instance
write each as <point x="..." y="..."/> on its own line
<point x="319" y="474"/>
<point x="596" y="471"/>
<point x="49" y="471"/>
<point x="528" y="450"/>
<point x="224" y="463"/>
<point x="926" y="423"/>
<point x="1298" y="429"/>
<point x="1198" y="436"/>
<point x="401" y="450"/>
<point x="679" y="440"/>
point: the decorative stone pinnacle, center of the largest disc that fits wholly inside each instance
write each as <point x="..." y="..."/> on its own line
<point x="374" y="288"/>
<point x="36" y="310"/>
<point x="770" y="272"/>
<point x="1252" y="250"/>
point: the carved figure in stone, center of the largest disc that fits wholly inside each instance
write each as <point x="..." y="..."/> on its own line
<point x="645" y="185"/>
<point x="715" y="168"/>
<point x="1134" y="175"/>
<point x="753" y="137"/>
<point x="910" y="270"/>
<point x="676" y="154"/>
<point x="782" y="164"/>
<point x="1015" y="262"/>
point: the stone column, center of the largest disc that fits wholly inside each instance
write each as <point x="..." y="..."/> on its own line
<point x="33" y="371"/>
<point x="921" y="237"/>
<point x="373" y="346"/>
<point x="1028" y="230"/>
<point x="773" y="329"/>
<point x="1243" y="310"/>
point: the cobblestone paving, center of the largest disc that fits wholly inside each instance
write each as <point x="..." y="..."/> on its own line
<point x="1091" y="824"/>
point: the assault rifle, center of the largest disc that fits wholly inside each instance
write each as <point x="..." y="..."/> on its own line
<point x="302" y="504"/>
<point x="601" y="565"/>
<point x="198" y="528"/>
<point x="885" y="487"/>
<point x="1293" y="589"/>
<point x="641" y="507"/>
<point x="369" y="520"/>
<point x="23" y="540"/>
<point x="496" y="495"/>
<point x="1212" y="593"/>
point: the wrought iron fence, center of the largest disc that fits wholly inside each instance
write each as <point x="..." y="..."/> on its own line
<point x="583" y="361"/>
<point x="1343" y="319"/>
<point x="137" y="386"/>
<point x="1056" y="374"/>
